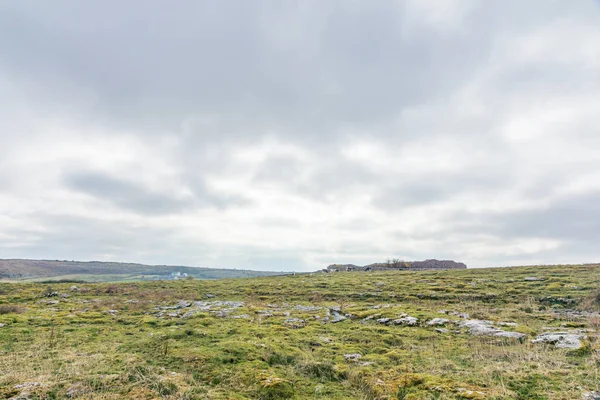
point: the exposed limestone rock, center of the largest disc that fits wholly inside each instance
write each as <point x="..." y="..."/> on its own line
<point x="295" y="323"/>
<point x="562" y="340"/>
<point x="478" y="327"/>
<point x="334" y="315"/>
<point x="438" y="322"/>
<point x="183" y="304"/>
<point x="408" y="320"/>
<point x="352" y="357"/>
<point x="307" y="308"/>
<point x="77" y="390"/>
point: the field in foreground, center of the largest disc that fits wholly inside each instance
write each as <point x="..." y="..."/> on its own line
<point x="380" y="335"/>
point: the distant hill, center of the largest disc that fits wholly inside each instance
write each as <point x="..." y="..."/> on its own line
<point x="396" y="264"/>
<point x="96" y="271"/>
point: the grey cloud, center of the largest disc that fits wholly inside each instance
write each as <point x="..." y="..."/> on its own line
<point x="306" y="73"/>
<point x="133" y="196"/>
<point x="571" y="219"/>
<point x="324" y="180"/>
<point x="197" y="83"/>
<point x="128" y="195"/>
<point x="425" y="189"/>
<point x="278" y="169"/>
<point x="66" y="236"/>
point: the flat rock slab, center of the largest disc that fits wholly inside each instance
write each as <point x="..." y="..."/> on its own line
<point x="591" y="396"/>
<point x="410" y="321"/>
<point x="295" y="323"/>
<point x="352" y="357"/>
<point x="561" y="340"/>
<point x="479" y="327"/>
<point x="438" y="322"/>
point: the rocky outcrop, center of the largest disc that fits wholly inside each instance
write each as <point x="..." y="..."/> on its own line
<point x="478" y="327"/>
<point x="562" y="340"/>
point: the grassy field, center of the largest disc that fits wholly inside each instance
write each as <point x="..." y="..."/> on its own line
<point x="275" y="337"/>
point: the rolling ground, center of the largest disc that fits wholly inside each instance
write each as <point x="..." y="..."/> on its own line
<point x="381" y="335"/>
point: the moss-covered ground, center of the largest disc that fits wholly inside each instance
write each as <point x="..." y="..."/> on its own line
<point x="144" y="340"/>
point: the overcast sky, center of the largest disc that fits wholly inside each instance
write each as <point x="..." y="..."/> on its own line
<point x="289" y="135"/>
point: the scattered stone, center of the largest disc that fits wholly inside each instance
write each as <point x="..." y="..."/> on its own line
<point x="28" y="385"/>
<point x="442" y="330"/>
<point x="2" y="325"/>
<point x="410" y="321"/>
<point x="189" y="314"/>
<point x="550" y="300"/>
<point x="112" y="311"/>
<point x="438" y="322"/>
<point x="384" y="321"/>
<point x="209" y="296"/>
<point x="572" y="315"/>
<point x="74" y="288"/>
<point x="479" y="327"/>
<point x="241" y="316"/>
<point x="377" y="307"/>
<point x="307" y="308"/>
<point x="533" y="279"/>
<point x="183" y="304"/>
<point x="561" y="340"/>
<point x="264" y="313"/>
<point x="295" y="323"/>
<point x="172" y="314"/>
<point x="352" y="357"/>
<point x="507" y="324"/>
<point x="459" y="314"/>
<point x="76" y="390"/>
<point x="590" y="396"/>
<point x="334" y="315"/>
<point x="222" y="313"/>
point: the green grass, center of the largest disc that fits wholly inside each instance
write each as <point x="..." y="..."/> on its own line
<point x="58" y="347"/>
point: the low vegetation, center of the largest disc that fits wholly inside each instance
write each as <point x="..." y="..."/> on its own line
<point x="464" y="334"/>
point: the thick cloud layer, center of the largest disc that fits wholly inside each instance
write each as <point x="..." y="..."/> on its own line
<point x="291" y="135"/>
